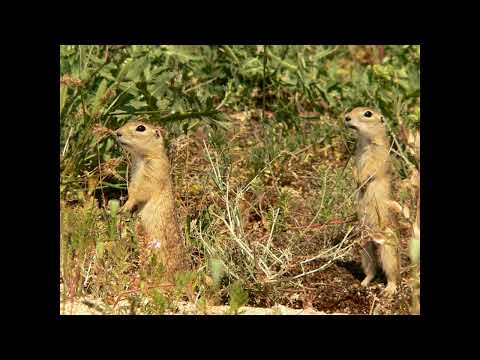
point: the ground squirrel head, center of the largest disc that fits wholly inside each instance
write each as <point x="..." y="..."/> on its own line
<point x="366" y="122"/>
<point x="140" y="138"/>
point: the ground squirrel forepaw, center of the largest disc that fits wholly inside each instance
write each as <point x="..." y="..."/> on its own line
<point x="366" y="282"/>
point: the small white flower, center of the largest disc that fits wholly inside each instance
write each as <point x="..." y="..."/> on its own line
<point x="155" y="244"/>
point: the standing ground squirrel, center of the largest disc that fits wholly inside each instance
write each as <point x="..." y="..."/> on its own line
<point x="151" y="192"/>
<point x="372" y="172"/>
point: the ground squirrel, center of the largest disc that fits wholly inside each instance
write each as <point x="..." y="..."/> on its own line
<point x="151" y="192"/>
<point x="372" y="172"/>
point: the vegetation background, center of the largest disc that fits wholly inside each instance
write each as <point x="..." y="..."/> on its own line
<point x="261" y="163"/>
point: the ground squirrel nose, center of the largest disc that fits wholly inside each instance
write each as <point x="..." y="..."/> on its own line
<point x="119" y="133"/>
<point x="348" y="118"/>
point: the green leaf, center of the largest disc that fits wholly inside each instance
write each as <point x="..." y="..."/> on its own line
<point x="238" y="296"/>
<point x="135" y="71"/>
<point x="147" y="73"/>
<point x="109" y="144"/>
<point x="183" y="279"/>
<point x="102" y="89"/>
<point x="217" y="271"/>
<point x="129" y="87"/>
<point x="415" y="93"/>
<point x="138" y="104"/>
<point x="106" y="72"/>
<point x="151" y="101"/>
<point x="100" y="249"/>
<point x="163" y="104"/>
<point x="113" y="205"/>
<point x="160" y="301"/>
<point x="209" y="103"/>
<point x="324" y="53"/>
<point x="124" y="69"/>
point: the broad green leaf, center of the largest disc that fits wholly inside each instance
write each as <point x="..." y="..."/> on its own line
<point x="106" y="71"/>
<point x="238" y="296"/>
<point x="124" y="69"/>
<point x="217" y="270"/>
<point x="136" y="70"/>
<point x="138" y="104"/>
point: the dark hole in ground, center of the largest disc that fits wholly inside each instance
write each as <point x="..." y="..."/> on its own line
<point x="355" y="268"/>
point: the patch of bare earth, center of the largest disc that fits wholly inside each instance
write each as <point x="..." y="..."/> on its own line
<point x="94" y="307"/>
<point x="89" y="306"/>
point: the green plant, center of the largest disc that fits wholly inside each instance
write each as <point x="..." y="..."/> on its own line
<point x="237" y="297"/>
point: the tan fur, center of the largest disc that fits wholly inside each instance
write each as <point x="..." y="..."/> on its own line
<point x="151" y="192"/>
<point x="415" y="256"/>
<point x="372" y="173"/>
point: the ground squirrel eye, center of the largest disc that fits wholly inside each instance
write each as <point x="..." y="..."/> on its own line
<point x="140" y="128"/>
<point x="367" y="114"/>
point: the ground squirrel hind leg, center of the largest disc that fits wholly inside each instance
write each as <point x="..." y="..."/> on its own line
<point x="390" y="264"/>
<point x="369" y="263"/>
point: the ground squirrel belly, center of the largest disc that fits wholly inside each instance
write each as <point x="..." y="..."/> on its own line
<point x="372" y="172"/>
<point x="151" y="192"/>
